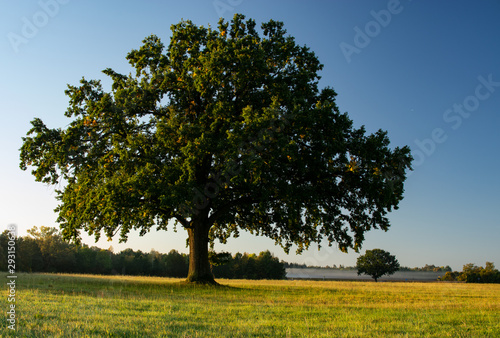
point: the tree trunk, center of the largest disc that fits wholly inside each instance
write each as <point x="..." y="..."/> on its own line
<point x="199" y="265"/>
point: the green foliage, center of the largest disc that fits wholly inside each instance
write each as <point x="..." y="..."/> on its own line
<point x="219" y="258"/>
<point x="449" y="276"/>
<point x="45" y="251"/>
<point x="4" y="239"/>
<point x="377" y="263"/>
<point x="428" y="268"/>
<point x="477" y="274"/>
<point x="29" y="257"/>
<point x="250" y="266"/>
<point x="224" y="130"/>
<point x="472" y="273"/>
<point x="176" y="264"/>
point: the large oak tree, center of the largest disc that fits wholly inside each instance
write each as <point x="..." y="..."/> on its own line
<point x="222" y="131"/>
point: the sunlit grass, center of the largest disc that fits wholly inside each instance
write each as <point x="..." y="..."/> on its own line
<point x="116" y="306"/>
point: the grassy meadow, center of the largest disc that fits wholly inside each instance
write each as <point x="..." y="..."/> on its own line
<point x="58" y="305"/>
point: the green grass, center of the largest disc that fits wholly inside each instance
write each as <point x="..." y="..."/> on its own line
<point x="51" y="305"/>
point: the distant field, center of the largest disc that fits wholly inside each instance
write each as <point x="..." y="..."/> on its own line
<point x="336" y="274"/>
<point x="104" y="306"/>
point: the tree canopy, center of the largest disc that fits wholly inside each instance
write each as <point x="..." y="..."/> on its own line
<point x="377" y="263"/>
<point x="223" y="130"/>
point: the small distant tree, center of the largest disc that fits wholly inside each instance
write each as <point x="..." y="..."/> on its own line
<point x="377" y="263"/>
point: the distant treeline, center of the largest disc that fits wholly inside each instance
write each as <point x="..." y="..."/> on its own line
<point x="428" y="268"/>
<point x="474" y="274"/>
<point x="44" y="250"/>
<point x="304" y="266"/>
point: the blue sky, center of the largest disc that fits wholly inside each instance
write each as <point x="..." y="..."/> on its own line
<point x="427" y="72"/>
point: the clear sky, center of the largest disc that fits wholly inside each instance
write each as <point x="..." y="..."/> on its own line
<point x="428" y="72"/>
